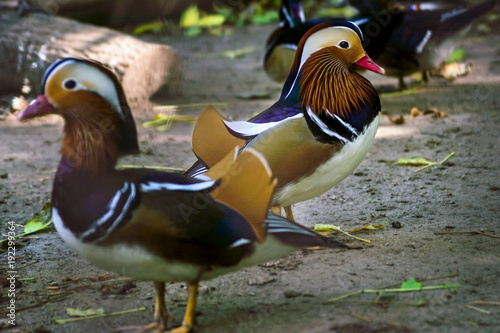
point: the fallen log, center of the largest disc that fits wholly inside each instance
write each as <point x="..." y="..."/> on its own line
<point x="29" y="45"/>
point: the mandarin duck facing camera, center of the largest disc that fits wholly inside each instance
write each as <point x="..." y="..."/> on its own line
<point x="319" y="130"/>
<point x="402" y="36"/>
<point x="149" y="224"/>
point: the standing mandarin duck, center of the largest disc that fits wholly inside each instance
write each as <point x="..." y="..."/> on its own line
<point x="402" y="36"/>
<point x="429" y="33"/>
<point x="148" y="224"/>
<point x="319" y="130"/>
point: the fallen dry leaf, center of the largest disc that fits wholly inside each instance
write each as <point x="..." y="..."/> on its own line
<point x="435" y="112"/>
<point x="415" y="112"/>
<point x="397" y="120"/>
<point x="452" y="71"/>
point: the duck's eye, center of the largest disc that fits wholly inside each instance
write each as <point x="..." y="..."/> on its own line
<point x="344" y="44"/>
<point x="69" y="84"/>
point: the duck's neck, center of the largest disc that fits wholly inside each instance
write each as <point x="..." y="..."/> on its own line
<point x="90" y="144"/>
<point x="329" y="86"/>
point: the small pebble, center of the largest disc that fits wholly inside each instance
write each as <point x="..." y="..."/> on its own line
<point x="396" y="225"/>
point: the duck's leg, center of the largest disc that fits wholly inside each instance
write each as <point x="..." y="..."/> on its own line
<point x="401" y="83"/>
<point x="161" y="315"/>
<point x="289" y="213"/>
<point x="276" y="210"/>
<point x="188" y="321"/>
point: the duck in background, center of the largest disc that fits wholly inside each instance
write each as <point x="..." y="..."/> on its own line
<point x="149" y="224"/>
<point x="318" y="131"/>
<point x="404" y="37"/>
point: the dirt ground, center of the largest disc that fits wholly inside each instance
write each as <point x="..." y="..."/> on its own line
<point x="459" y="198"/>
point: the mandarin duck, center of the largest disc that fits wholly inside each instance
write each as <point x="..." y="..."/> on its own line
<point x="404" y="37"/>
<point x="148" y="224"/>
<point x="428" y="34"/>
<point x="318" y="131"/>
<point x="282" y="43"/>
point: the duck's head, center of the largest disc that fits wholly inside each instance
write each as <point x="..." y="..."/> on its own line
<point x="335" y="40"/>
<point x="89" y="97"/>
<point x="324" y="77"/>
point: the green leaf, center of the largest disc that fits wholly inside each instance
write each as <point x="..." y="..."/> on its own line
<point x="162" y="122"/>
<point x="68" y="320"/>
<point x="411" y="284"/>
<point x="336" y="12"/>
<point x="265" y="17"/>
<point x="331" y="227"/>
<point x="211" y="20"/>
<point x="84" y="312"/>
<point x="420" y="161"/>
<point x="34" y="226"/>
<point x="408" y="286"/>
<point x="192" y="32"/>
<point x="40" y="220"/>
<point x="37" y="222"/>
<point x="415" y="161"/>
<point x="456" y="55"/>
<point x="190" y="17"/>
<point x="155" y="26"/>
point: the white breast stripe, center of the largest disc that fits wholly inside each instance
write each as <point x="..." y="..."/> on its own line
<point x="290" y="46"/>
<point x="323" y="126"/>
<point x="277" y="224"/>
<point x="154" y="186"/>
<point x="239" y="242"/>
<point x="111" y="210"/>
<point x="346" y="125"/>
<point x="452" y="13"/>
<point x="423" y="42"/>
<point x="199" y="174"/>
<point x="249" y="129"/>
<point x="282" y="230"/>
<point x="124" y="209"/>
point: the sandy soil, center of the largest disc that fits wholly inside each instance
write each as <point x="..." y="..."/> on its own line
<point x="289" y="295"/>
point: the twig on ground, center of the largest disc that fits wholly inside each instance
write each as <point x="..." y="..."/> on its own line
<point x="473" y="232"/>
<point x="67" y="320"/>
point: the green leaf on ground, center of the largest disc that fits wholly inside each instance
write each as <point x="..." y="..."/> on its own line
<point x="213" y="20"/>
<point x="420" y="161"/>
<point x="192" y="21"/>
<point x="330" y="227"/>
<point x="155" y="26"/>
<point x="407" y="286"/>
<point x="96" y="315"/>
<point x="39" y="221"/>
<point x="230" y="54"/>
<point x="162" y="122"/>
<point x="411" y="284"/>
<point x="190" y="17"/>
<point x="456" y="56"/>
<point x="265" y="17"/>
<point x="415" y="161"/>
